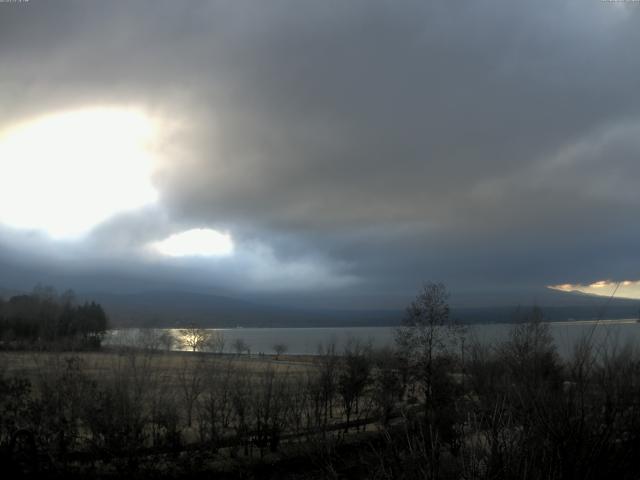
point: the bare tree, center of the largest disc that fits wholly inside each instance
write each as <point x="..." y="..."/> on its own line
<point x="299" y="403"/>
<point x="425" y="333"/>
<point x="154" y="339"/>
<point x="149" y="339"/>
<point x="280" y="349"/>
<point x="268" y="409"/>
<point x="117" y="413"/>
<point x="354" y="376"/>
<point x="167" y="340"/>
<point x="241" y="394"/>
<point x="327" y="362"/>
<point x="387" y="383"/>
<point x="216" y="342"/>
<point x="191" y="376"/>
<point x="195" y="338"/>
<point x="215" y="406"/>
<point x="530" y="353"/>
<point x="240" y="346"/>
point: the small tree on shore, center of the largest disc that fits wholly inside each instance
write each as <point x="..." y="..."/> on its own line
<point x="280" y="349"/>
<point x="167" y="340"/>
<point x="216" y="342"/>
<point x="240" y="346"/>
<point x="149" y="339"/>
<point x="195" y="338"/>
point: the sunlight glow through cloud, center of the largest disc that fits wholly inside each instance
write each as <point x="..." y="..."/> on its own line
<point x="627" y="288"/>
<point x="196" y="242"/>
<point x="65" y="173"/>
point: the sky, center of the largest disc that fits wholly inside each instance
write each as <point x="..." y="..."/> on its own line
<point x="320" y="153"/>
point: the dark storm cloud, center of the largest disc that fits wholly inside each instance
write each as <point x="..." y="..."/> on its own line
<point x="369" y="144"/>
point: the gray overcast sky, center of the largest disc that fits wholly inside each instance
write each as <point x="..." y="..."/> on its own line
<point x="351" y="149"/>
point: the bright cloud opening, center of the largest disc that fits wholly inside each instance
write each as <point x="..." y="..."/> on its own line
<point x="605" y="288"/>
<point x="196" y="242"/>
<point x="65" y="173"/>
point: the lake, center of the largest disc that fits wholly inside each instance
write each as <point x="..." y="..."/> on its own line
<point x="306" y="340"/>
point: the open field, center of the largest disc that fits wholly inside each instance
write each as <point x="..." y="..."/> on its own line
<point x="33" y="363"/>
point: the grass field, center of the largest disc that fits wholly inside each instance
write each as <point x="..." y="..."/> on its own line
<point x="33" y="364"/>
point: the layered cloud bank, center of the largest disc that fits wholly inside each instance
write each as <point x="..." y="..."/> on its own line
<point x="346" y="148"/>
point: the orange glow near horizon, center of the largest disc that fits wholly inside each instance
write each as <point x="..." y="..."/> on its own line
<point x="603" y="288"/>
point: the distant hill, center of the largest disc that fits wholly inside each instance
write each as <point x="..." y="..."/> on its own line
<point x="541" y="296"/>
<point x="177" y="308"/>
<point x="174" y="308"/>
<point x="514" y="313"/>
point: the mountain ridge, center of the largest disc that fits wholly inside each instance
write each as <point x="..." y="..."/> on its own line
<point x="177" y="308"/>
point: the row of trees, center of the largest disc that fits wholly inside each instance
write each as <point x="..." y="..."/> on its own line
<point x="143" y="402"/>
<point x="432" y="407"/>
<point x="192" y="338"/>
<point x="45" y="317"/>
<point x="511" y="410"/>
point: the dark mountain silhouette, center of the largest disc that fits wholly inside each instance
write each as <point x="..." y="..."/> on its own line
<point x="173" y="307"/>
<point x="176" y="308"/>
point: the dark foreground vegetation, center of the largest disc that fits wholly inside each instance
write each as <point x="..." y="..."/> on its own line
<point x="439" y="405"/>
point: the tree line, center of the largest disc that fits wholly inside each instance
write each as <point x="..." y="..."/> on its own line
<point x="46" y="318"/>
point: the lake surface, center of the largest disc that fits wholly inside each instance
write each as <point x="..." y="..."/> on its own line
<point x="307" y="340"/>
